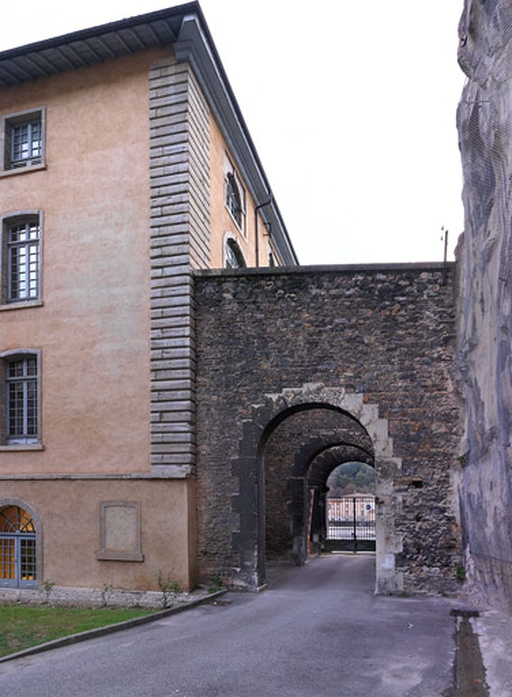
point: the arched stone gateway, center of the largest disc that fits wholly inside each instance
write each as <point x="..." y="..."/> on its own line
<point x="300" y="370"/>
<point x="289" y="447"/>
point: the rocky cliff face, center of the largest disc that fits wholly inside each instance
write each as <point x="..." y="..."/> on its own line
<point x="485" y="134"/>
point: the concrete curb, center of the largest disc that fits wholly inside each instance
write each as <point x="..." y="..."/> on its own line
<point x="111" y="628"/>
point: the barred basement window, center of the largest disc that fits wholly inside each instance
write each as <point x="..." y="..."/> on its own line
<point x="23" y="140"/>
<point x="21" y="398"/>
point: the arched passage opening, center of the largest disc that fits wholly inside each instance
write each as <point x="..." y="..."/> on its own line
<point x="298" y="457"/>
<point x="289" y="447"/>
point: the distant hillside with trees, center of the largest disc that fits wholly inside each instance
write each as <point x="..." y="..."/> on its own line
<point x="351" y="478"/>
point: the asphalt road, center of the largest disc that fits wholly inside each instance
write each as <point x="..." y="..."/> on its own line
<point x="318" y="630"/>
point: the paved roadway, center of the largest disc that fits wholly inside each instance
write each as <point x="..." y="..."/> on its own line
<point x="317" y="631"/>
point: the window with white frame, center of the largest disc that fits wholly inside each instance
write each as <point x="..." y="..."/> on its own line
<point x="235" y="197"/>
<point x="23" y="140"/>
<point x="21" y="244"/>
<point x="20" y="404"/>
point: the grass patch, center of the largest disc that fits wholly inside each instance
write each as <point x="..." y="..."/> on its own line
<point x="22" y="627"/>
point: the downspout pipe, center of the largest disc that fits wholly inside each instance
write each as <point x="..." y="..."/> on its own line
<point x="257" y="240"/>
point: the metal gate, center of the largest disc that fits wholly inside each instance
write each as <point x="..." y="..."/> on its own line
<point x="351" y="523"/>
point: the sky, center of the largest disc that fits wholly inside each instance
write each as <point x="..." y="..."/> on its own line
<point x="351" y="106"/>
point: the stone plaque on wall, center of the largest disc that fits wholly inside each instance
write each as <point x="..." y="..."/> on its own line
<point x="120" y="531"/>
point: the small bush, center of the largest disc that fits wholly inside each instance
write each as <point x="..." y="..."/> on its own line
<point x="215" y="585"/>
<point x="168" y="587"/>
<point x="460" y="573"/>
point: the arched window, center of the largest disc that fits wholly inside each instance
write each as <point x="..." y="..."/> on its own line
<point x="233" y="255"/>
<point x="18" y="560"/>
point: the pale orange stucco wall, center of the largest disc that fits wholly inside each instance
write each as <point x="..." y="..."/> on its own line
<point x="93" y="326"/>
<point x="222" y="221"/>
<point x="69" y="515"/>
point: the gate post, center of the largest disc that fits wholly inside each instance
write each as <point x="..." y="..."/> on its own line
<point x="248" y="506"/>
<point x="354" y="523"/>
<point x="246" y="538"/>
<point x="299" y="513"/>
<point x="389" y="542"/>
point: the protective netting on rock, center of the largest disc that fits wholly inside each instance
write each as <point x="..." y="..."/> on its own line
<point x="485" y="134"/>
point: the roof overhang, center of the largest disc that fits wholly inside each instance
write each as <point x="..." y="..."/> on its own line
<point x="83" y="48"/>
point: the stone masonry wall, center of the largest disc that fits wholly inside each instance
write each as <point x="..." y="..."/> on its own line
<point x="387" y="333"/>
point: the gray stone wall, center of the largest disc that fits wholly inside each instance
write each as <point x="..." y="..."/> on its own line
<point x="485" y="134"/>
<point x="383" y="336"/>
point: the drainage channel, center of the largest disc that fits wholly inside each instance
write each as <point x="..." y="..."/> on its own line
<point x="469" y="670"/>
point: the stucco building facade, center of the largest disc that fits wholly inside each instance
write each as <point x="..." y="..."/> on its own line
<point x="125" y="165"/>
